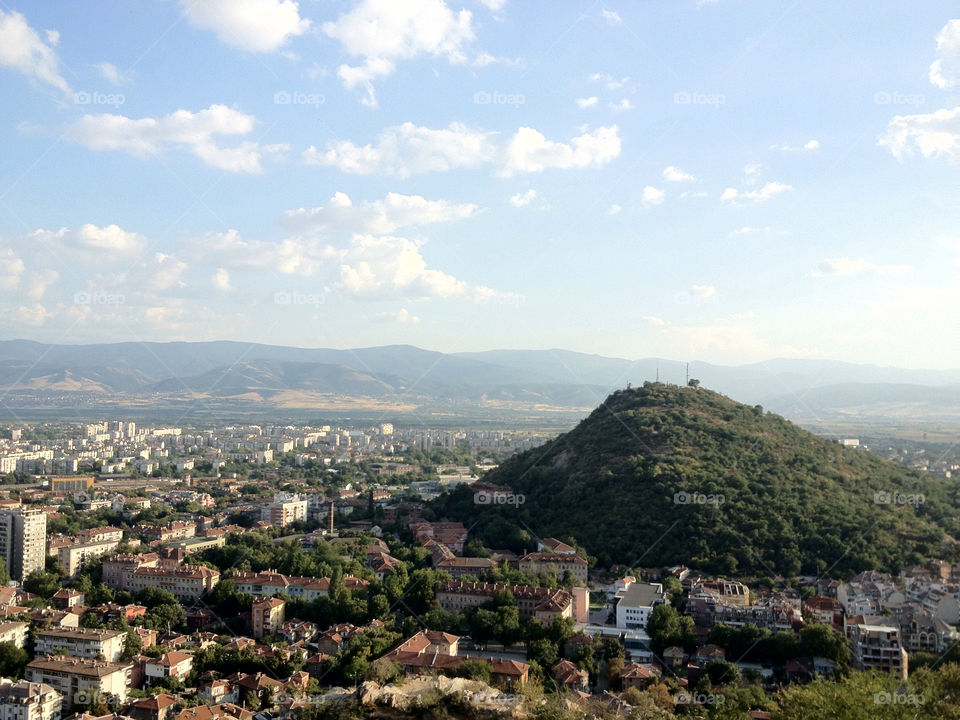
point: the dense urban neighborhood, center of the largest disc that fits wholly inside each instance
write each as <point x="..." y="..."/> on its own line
<point x="275" y="572"/>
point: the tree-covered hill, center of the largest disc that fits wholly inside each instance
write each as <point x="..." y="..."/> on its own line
<point x="662" y="474"/>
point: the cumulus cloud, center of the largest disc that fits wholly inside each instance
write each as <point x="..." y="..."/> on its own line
<point x="110" y="73"/>
<point x="258" y="26"/>
<point x="23" y="50"/>
<point x="386" y="267"/>
<point x="291" y="256"/>
<point x="932" y="135"/>
<point x="402" y="316"/>
<point x="379" y="217"/>
<point x="608" y="81"/>
<point x="847" y="266"/>
<point x="740" y="197"/>
<point x="611" y="17"/>
<point x="35" y="314"/>
<point x="703" y="290"/>
<point x="409" y="149"/>
<point x="529" y="151"/>
<point x="614" y="209"/>
<point x="587" y="101"/>
<point x="39" y="281"/>
<point x="382" y="32"/>
<point x="654" y="321"/>
<point x="672" y="173"/>
<point x="221" y="280"/>
<point x="194" y="132"/>
<point x="651" y="196"/>
<point x="110" y="240"/>
<point x="523" y="199"/>
<point x="11" y="268"/>
<point x="945" y="70"/>
<point x="624" y="104"/>
<point x="809" y="146"/>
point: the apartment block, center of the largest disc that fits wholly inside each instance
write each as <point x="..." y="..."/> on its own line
<point x="80" y="679"/>
<point x="82" y="642"/>
<point x="23" y="540"/>
<point x="27" y="700"/>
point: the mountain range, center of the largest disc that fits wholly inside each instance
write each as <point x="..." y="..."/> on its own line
<point x="550" y="385"/>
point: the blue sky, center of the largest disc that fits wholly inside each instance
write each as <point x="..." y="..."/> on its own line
<point x="725" y="181"/>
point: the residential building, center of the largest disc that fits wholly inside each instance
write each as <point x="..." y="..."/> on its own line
<point x="636" y="604"/>
<point x="72" y="556"/>
<point x="79" y="679"/>
<point x="544" y="604"/>
<point x="875" y="645"/>
<point x="172" y="664"/>
<point x="23" y="540"/>
<point x="560" y="563"/>
<point x="82" y="642"/>
<point x="70" y="483"/>
<point x="116" y="568"/>
<point x="268" y="583"/>
<point x="430" y="651"/>
<point x="460" y="566"/>
<point x="14" y="632"/>
<point x="27" y="700"/>
<point x="267" y="616"/>
<point x="285" y="509"/>
<point x="188" y="582"/>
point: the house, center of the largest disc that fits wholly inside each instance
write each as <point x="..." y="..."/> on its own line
<point x="267" y="616"/>
<point x="824" y="610"/>
<point x="26" y="700"/>
<point x="638" y="675"/>
<point x="533" y="564"/>
<point x="460" y="566"/>
<point x="223" y="711"/>
<point x="555" y="546"/>
<point x="172" y="664"/>
<point x="636" y="604"/>
<point x="66" y="598"/>
<point x="674" y="656"/>
<point x="707" y="654"/>
<point x="152" y="708"/>
<point x="570" y="677"/>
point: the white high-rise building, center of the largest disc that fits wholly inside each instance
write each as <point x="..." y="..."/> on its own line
<point x="23" y="540"/>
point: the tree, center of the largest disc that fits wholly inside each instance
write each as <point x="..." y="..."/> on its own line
<point x="42" y="583"/>
<point x="12" y="660"/>
<point x="475" y="670"/>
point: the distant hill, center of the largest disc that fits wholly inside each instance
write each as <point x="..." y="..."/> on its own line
<point x="660" y="475"/>
<point x="558" y="385"/>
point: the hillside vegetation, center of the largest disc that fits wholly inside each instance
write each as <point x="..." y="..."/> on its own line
<point x="662" y="474"/>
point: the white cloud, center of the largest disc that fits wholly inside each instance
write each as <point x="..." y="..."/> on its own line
<point x="624" y="104"/>
<point x="221" y="280"/>
<point x="768" y="191"/>
<point x="109" y="240"/>
<point x="159" y="272"/>
<point x="694" y="194"/>
<point x="38" y="283"/>
<point x="379" y="217"/>
<point x="484" y="59"/>
<point x="402" y="316"/>
<point x="748" y="230"/>
<point x="614" y="209"/>
<point x="672" y="173"/>
<point x="611" y="17"/>
<point x="35" y="314"/>
<point x="809" y="146"/>
<point x="409" y="149"/>
<point x="291" y="256"/>
<point x="382" y="32"/>
<point x="587" y="101"/>
<point x="529" y="151"/>
<point x="11" y="268"/>
<point x="654" y="321"/>
<point x="651" y="196"/>
<point x="194" y="132"/>
<point x="945" y="70"/>
<point x="751" y="172"/>
<point x="385" y="267"/>
<point x="610" y="82"/>
<point x="22" y="49"/>
<point x="847" y="266"/>
<point x="493" y="5"/>
<point x="932" y="134"/>
<point x="703" y="290"/>
<point x="258" y="26"/>
<point x="523" y="199"/>
<point x="110" y="73"/>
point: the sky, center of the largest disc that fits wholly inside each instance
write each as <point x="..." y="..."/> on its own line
<point x="716" y="180"/>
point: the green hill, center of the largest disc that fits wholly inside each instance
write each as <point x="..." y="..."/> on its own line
<point x="661" y="474"/>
